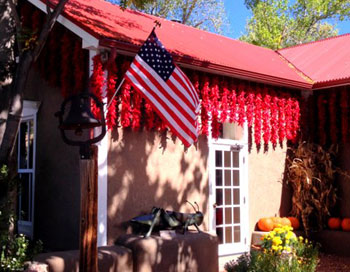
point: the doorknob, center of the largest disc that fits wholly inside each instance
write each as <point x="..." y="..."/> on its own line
<point x="215" y="205"/>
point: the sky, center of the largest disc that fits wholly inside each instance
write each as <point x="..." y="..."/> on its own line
<point x="238" y="16"/>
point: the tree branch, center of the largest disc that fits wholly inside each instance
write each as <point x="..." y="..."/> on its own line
<point x="48" y="25"/>
<point x="17" y="22"/>
<point x="48" y="10"/>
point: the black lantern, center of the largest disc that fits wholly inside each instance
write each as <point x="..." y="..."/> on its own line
<point x="81" y="118"/>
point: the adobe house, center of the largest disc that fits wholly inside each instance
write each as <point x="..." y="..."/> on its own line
<point x="254" y="101"/>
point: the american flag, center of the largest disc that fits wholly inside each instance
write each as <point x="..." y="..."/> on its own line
<point x="161" y="82"/>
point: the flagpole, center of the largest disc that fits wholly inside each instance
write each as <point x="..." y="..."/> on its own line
<point x="115" y="93"/>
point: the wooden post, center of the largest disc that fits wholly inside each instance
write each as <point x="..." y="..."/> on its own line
<point x="88" y="213"/>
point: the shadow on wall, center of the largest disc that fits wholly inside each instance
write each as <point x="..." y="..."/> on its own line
<point x="146" y="169"/>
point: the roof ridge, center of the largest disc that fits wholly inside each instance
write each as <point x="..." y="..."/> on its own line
<point x="318" y="41"/>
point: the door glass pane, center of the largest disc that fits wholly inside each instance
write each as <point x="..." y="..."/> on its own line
<point x="25" y="197"/>
<point x="235" y="159"/>
<point x="218" y="177"/>
<point x="227" y="158"/>
<point x="227" y="177"/>
<point x="228" y="235"/>
<point x="220" y="235"/>
<point x="237" y="234"/>
<point x="228" y="215"/>
<point x="235" y="174"/>
<point x="219" y="218"/>
<point x="219" y="197"/>
<point x="218" y="158"/>
<point x="23" y="145"/>
<point x="228" y="198"/>
<point x="31" y="142"/>
<point x="236" y="215"/>
<point x="236" y="196"/>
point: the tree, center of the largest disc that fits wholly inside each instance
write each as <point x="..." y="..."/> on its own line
<point x="204" y="14"/>
<point x="281" y="23"/>
<point x="13" y="78"/>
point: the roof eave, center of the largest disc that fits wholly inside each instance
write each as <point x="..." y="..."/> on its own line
<point x="187" y="61"/>
<point x="331" y="84"/>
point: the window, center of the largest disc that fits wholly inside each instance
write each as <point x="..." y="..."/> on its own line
<point x="26" y="168"/>
<point x="229" y="188"/>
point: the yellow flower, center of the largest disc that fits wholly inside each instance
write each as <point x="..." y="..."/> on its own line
<point x="276" y="241"/>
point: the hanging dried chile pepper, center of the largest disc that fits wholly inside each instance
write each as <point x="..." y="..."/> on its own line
<point x="214" y="98"/>
<point x="241" y="104"/>
<point x="111" y="117"/>
<point x="224" y="105"/>
<point x="289" y="117"/>
<point x="136" y="111"/>
<point x="295" y="119"/>
<point x="96" y="82"/>
<point x="125" y="114"/>
<point x="281" y="118"/>
<point x="233" y="103"/>
<point x="266" y="116"/>
<point x="250" y="106"/>
<point x="257" y="117"/>
<point x="274" y="119"/>
<point x="205" y="108"/>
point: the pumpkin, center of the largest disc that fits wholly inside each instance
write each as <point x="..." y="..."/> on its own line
<point x="334" y="223"/>
<point x="295" y="222"/>
<point x="286" y="222"/>
<point x="345" y="224"/>
<point x="265" y="224"/>
<point x="277" y="222"/>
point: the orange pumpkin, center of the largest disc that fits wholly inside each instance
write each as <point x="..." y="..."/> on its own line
<point x="265" y="224"/>
<point x="334" y="223"/>
<point x="286" y="222"/>
<point x="277" y="222"/>
<point x="295" y="222"/>
<point x="345" y="224"/>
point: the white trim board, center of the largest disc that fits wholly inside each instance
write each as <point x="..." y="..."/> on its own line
<point x="89" y="41"/>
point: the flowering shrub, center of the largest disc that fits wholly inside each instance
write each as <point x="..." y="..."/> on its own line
<point x="279" y="240"/>
<point x="281" y="251"/>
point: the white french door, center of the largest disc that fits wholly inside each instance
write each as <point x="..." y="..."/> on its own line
<point x="228" y="195"/>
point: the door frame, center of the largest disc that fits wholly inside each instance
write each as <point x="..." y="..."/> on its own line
<point x="29" y="112"/>
<point x="242" y="145"/>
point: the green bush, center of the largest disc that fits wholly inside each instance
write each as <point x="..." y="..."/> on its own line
<point x="15" y="250"/>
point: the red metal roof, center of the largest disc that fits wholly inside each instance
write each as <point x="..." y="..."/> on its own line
<point x="128" y="29"/>
<point x="326" y="62"/>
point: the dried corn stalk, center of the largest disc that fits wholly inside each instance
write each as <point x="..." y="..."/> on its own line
<point x="311" y="173"/>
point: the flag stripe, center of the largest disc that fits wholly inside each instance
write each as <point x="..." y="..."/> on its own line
<point x="190" y="86"/>
<point x="176" y="115"/>
<point x="166" y="92"/>
<point x="182" y="84"/>
<point x="186" y="139"/>
<point x="170" y="91"/>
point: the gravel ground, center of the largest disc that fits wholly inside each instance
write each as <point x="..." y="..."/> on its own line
<point x="332" y="263"/>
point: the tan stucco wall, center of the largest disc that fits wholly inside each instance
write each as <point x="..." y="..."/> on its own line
<point x="146" y="170"/>
<point x="267" y="195"/>
<point x="57" y="189"/>
<point x="142" y="174"/>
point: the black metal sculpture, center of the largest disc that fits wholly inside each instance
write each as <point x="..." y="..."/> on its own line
<point x="163" y="219"/>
